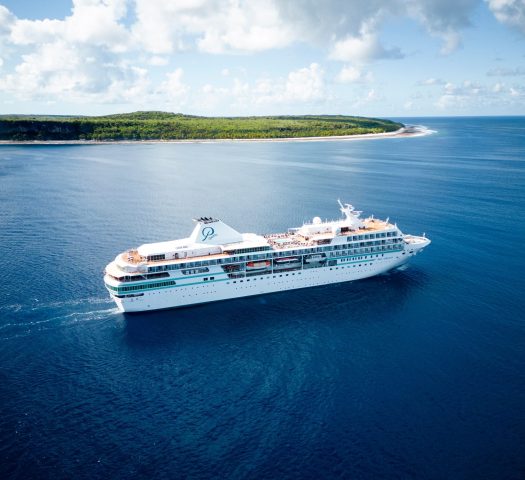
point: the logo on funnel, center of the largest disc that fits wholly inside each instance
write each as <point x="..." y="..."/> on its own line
<point x="208" y="233"/>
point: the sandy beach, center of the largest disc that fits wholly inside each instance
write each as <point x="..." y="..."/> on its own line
<point x="409" y="131"/>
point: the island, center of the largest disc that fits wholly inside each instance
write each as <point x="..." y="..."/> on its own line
<point x="164" y="126"/>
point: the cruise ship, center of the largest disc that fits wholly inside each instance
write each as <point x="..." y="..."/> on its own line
<point x="216" y="262"/>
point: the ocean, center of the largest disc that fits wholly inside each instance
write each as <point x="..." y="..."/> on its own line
<point x="419" y="373"/>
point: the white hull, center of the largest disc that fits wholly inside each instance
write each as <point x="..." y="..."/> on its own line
<point x="223" y="288"/>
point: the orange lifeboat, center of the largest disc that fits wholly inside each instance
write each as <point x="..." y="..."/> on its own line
<point x="261" y="265"/>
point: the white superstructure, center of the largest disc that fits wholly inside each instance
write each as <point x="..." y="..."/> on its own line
<point x="217" y="262"/>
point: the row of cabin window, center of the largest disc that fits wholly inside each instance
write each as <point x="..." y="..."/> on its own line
<point x="248" y="250"/>
<point x="140" y="278"/>
<point x="369" y="236"/>
<point x="271" y="255"/>
<point x="147" y="286"/>
<point x="346" y="252"/>
<point x="382" y="248"/>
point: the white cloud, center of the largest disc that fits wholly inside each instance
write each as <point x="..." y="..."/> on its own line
<point x="246" y="27"/>
<point x="351" y="74"/>
<point x="73" y="73"/>
<point x="509" y="12"/>
<point x="322" y="22"/>
<point x="305" y="84"/>
<point x="94" y="22"/>
<point x="102" y="50"/>
<point x="362" y="48"/>
<point x="498" y="87"/>
<point x="302" y="87"/>
<point x="473" y="96"/>
<point x="372" y="96"/>
<point x="158" y="61"/>
<point x="6" y="20"/>
<point x="451" y="42"/>
<point x="506" y="72"/>
<point x="173" y="87"/>
<point x="212" y="26"/>
<point x="367" y="97"/>
<point x="78" y="59"/>
<point x="443" y="19"/>
<point x="349" y="29"/>
<point x="27" y="32"/>
<point x="429" y="82"/>
<point x="156" y="26"/>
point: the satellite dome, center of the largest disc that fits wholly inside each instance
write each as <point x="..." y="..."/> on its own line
<point x="317" y="220"/>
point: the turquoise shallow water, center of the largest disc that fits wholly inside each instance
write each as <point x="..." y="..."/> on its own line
<point x="415" y="374"/>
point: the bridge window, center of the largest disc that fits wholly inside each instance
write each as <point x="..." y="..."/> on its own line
<point x="156" y="257"/>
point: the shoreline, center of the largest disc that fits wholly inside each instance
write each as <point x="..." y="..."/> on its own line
<point x="404" y="132"/>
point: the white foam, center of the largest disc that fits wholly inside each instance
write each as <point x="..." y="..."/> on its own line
<point x="24" y="329"/>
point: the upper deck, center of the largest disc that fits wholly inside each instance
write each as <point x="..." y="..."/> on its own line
<point x="133" y="257"/>
<point x="277" y="241"/>
<point x="280" y="241"/>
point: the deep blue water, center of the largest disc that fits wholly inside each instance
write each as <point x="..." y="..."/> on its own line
<point x="419" y="373"/>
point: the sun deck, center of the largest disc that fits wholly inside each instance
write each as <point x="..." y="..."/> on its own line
<point x="278" y="242"/>
<point x="133" y="257"/>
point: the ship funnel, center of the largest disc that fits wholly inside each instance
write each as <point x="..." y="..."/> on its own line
<point x="214" y="232"/>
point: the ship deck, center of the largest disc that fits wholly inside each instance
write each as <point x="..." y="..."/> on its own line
<point x="134" y="258"/>
<point x="278" y="241"/>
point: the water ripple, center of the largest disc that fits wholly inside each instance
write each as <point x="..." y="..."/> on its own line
<point x="34" y="318"/>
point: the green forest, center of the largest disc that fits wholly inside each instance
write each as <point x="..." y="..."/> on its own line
<point x="176" y="126"/>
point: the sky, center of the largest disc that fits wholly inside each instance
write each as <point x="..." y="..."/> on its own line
<point x="385" y="58"/>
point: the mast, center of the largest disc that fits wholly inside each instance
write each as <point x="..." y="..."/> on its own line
<point x="352" y="215"/>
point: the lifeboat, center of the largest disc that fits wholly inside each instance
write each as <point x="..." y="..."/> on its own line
<point x="286" y="260"/>
<point x="232" y="268"/>
<point x="315" y="258"/>
<point x="261" y="265"/>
